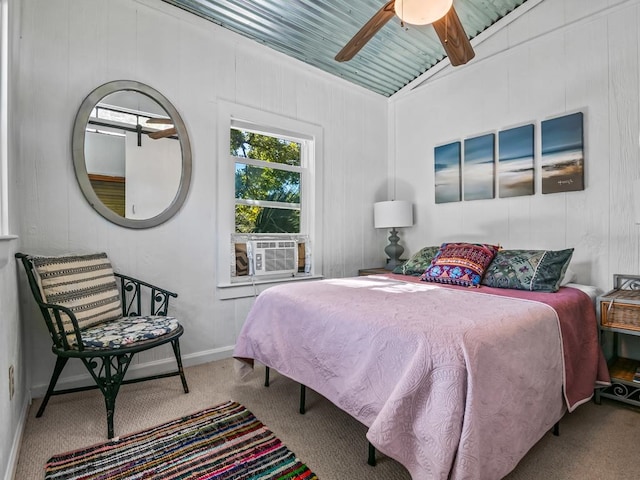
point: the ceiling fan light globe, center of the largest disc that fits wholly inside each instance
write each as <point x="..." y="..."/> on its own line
<point x="421" y="12"/>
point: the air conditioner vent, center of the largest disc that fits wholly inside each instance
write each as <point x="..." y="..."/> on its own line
<point x="270" y="257"/>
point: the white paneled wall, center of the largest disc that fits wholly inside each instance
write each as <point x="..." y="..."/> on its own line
<point x="67" y="48"/>
<point x="13" y="406"/>
<point x="560" y="57"/>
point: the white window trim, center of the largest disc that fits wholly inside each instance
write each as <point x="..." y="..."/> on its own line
<point x="4" y="118"/>
<point x="6" y="249"/>
<point x="311" y="224"/>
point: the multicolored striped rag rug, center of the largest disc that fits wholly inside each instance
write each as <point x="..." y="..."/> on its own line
<point x="221" y="443"/>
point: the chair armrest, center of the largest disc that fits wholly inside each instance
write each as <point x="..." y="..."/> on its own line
<point x="52" y="316"/>
<point x="132" y="291"/>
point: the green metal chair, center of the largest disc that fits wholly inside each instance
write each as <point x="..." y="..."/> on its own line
<point x="95" y="315"/>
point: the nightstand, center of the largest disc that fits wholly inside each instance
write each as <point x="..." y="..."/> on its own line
<point x="373" y="271"/>
<point x="619" y="315"/>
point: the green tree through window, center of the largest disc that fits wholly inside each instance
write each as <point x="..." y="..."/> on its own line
<point x="267" y="183"/>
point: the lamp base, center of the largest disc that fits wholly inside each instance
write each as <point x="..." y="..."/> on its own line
<point x="393" y="251"/>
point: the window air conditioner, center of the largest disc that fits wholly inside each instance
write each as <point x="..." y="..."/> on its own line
<point x="270" y="257"/>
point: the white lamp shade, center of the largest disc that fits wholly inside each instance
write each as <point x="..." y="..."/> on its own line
<point x="422" y="12"/>
<point x="394" y="213"/>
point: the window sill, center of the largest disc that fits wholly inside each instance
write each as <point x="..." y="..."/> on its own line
<point x="5" y="248"/>
<point x="229" y="291"/>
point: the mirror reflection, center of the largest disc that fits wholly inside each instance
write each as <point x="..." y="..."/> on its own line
<point x="131" y="154"/>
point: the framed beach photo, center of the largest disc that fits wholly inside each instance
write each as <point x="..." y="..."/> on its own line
<point x="479" y="167"/>
<point x="563" y="154"/>
<point x="516" y="175"/>
<point x="447" y="173"/>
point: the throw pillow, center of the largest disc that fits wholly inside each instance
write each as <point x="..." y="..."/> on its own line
<point x="460" y="263"/>
<point x="85" y="284"/>
<point x="534" y="270"/>
<point x="418" y="262"/>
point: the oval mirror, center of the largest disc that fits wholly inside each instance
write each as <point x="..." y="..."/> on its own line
<point x="131" y="154"/>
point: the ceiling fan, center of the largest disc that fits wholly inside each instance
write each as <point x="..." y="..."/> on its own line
<point x="167" y="132"/>
<point x="417" y="12"/>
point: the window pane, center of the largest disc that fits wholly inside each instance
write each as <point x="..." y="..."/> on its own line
<point x="251" y="219"/>
<point x="112" y="115"/>
<point x="256" y="183"/>
<point x="262" y="147"/>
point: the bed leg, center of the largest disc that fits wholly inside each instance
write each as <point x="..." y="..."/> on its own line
<point x="556" y="429"/>
<point x="303" y="394"/>
<point x="372" y="455"/>
<point x="266" y="376"/>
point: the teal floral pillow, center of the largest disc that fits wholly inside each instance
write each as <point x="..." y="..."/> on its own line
<point x="533" y="270"/>
<point x="418" y="263"/>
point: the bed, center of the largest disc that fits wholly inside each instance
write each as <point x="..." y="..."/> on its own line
<point x="452" y="382"/>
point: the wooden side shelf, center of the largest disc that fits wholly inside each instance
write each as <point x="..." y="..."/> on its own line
<point x="619" y="318"/>
<point x="373" y="271"/>
<point x="623" y="369"/>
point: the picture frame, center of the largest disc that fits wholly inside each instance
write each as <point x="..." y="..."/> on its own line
<point x="563" y="154"/>
<point x="447" y="165"/>
<point x="516" y="172"/>
<point x="479" y="167"/>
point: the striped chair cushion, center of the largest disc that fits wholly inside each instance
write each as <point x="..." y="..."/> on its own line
<point x="85" y="284"/>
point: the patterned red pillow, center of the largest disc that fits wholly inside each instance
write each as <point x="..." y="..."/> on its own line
<point x="460" y="263"/>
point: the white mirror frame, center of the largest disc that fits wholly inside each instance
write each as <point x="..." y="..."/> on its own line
<point x="78" y="141"/>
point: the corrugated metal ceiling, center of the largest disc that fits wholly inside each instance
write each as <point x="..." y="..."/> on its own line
<point x="314" y="31"/>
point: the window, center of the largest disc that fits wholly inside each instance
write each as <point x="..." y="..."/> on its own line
<point x="268" y="173"/>
<point x="269" y="211"/>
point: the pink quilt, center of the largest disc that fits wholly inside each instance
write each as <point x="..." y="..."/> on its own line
<point x="454" y="383"/>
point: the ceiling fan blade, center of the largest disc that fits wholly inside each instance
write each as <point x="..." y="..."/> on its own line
<point x="163" y="133"/>
<point x="454" y="39"/>
<point x="365" y="34"/>
<point x="160" y="121"/>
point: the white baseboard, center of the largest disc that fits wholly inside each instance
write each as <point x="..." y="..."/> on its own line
<point x="141" y="370"/>
<point x="12" y="461"/>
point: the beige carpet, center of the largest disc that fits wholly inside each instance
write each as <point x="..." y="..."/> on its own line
<point x="596" y="441"/>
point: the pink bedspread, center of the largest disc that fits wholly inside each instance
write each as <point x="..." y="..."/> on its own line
<point x="453" y="383"/>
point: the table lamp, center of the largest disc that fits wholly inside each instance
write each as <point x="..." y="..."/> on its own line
<point x="393" y="214"/>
